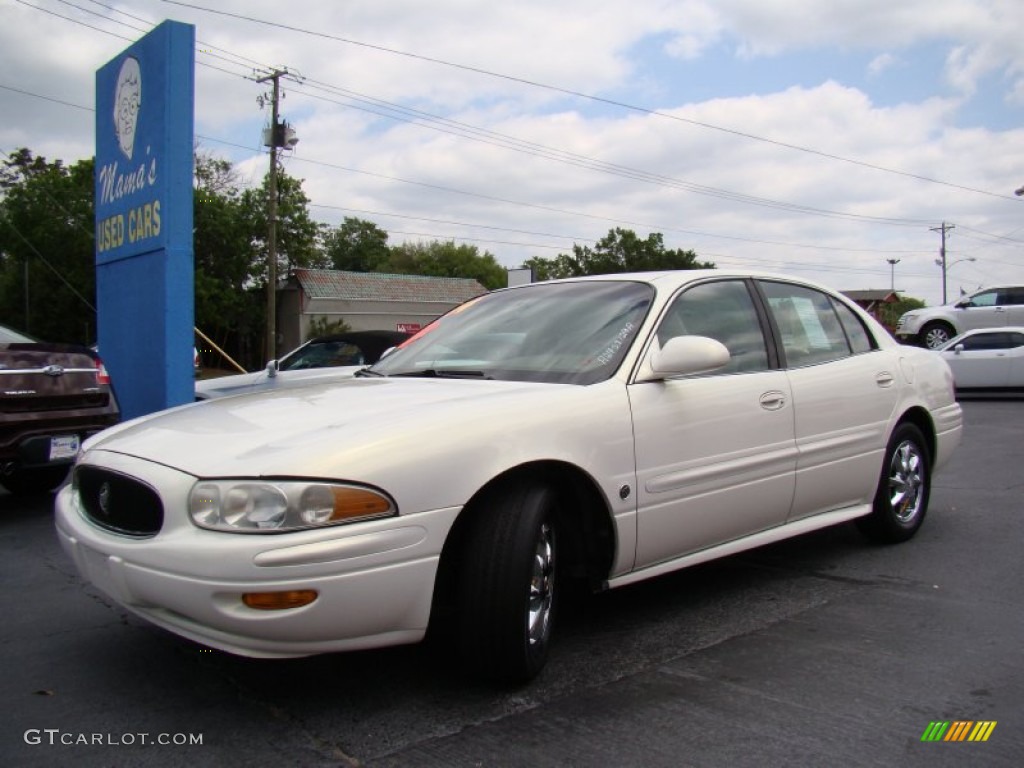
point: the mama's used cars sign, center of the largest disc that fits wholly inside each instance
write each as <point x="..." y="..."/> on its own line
<point x="143" y="195"/>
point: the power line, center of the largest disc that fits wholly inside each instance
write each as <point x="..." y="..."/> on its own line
<point x="512" y="143"/>
<point x="562" y="156"/>
<point x="74" y="21"/>
<point x="207" y="48"/>
<point x="53" y="269"/>
<point x="46" y="98"/>
<point x="508" y="142"/>
<point x="590" y="97"/>
<point x="505" y="141"/>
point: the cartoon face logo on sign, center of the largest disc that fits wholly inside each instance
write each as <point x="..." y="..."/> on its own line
<point x="127" y="101"/>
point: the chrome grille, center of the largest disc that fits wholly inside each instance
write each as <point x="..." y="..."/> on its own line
<point x="32" y="404"/>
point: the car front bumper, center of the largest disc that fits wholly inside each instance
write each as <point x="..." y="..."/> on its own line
<point x="374" y="580"/>
<point x="907" y="329"/>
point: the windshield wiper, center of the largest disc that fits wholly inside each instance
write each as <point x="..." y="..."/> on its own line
<point x="444" y="373"/>
<point x="367" y="372"/>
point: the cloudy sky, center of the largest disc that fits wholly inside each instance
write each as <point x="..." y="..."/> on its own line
<point x="818" y="138"/>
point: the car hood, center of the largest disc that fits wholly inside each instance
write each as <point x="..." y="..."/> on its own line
<point x="259" y="381"/>
<point x="323" y="430"/>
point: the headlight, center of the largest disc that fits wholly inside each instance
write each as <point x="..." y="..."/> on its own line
<point x="273" y="506"/>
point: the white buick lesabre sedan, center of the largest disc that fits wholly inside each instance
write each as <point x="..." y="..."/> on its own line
<point x="608" y="429"/>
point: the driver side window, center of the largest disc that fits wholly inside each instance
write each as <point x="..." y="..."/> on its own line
<point x="721" y="310"/>
<point x="986" y="299"/>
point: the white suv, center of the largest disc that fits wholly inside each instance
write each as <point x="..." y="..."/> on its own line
<point x="989" y="308"/>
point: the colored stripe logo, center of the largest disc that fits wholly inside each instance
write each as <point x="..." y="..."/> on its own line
<point x="959" y="730"/>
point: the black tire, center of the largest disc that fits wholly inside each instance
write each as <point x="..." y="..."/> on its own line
<point x="507" y="595"/>
<point x="935" y="334"/>
<point x="904" y="487"/>
<point x="25" y="482"/>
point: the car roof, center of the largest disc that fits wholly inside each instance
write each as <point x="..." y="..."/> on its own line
<point x="672" y="278"/>
<point x="996" y="287"/>
<point x="356" y="336"/>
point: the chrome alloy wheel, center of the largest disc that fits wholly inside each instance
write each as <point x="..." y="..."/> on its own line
<point x="542" y="586"/>
<point x="906" y="482"/>
<point x="936" y="336"/>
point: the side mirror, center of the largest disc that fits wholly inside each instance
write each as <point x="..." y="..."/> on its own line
<point x="685" y="356"/>
<point x="958" y="348"/>
<point x="272" y="369"/>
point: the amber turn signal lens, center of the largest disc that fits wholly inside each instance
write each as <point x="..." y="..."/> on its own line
<point x="355" y="503"/>
<point x="279" y="601"/>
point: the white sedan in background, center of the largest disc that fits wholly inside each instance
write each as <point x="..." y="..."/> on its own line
<point x="606" y="429"/>
<point x="987" y="360"/>
<point x="323" y="358"/>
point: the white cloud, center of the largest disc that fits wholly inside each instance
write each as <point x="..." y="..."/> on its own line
<point x="578" y="46"/>
<point x="881" y="63"/>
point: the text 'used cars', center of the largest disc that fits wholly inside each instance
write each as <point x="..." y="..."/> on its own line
<point x="605" y="429"/>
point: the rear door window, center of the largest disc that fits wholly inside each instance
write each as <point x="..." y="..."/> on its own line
<point x="809" y="328"/>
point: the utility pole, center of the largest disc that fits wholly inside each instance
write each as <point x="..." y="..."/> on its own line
<point x="942" y="252"/>
<point x="276" y="141"/>
<point x="279" y="136"/>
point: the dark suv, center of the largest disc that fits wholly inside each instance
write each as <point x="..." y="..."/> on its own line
<point x="52" y="396"/>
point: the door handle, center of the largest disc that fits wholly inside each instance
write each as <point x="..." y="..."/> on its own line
<point x="773" y="400"/>
<point x="884" y="379"/>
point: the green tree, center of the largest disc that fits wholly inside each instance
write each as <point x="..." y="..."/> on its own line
<point x="446" y="259"/>
<point x="324" y="326"/>
<point x="621" y="250"/>
<point x="47" y="266"/>
<point x="356" y="245"/>
<point x="297" y="237"/>
<point x="888" y="314"/>
<point x="229" y="308"/>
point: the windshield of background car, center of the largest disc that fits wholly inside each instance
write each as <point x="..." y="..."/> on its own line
<point x="323" y="354"/>
<point x="568" y="333"/>
<point x="7" y="336"/>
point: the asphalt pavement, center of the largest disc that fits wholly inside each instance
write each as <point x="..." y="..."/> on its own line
<point x="823" y="650"/>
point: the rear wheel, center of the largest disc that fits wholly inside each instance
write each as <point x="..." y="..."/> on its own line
<point x="934" y="335"/>
<point x="901" y="500"/>
<point x="24" y="482"/>
<point x="507" y="597"/>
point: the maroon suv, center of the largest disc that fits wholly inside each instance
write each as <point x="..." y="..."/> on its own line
<point x="52" y="396"/>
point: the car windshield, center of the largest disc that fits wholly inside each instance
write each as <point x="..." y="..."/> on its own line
<point x="8" y="336"/>
<point x="571" y="333"/>
<point x="323" y="354"/>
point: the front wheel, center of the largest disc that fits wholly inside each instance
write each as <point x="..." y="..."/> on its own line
<point x="901" y="500"/>
<point x="934" y="335"/>
<point x="508" y="584"/>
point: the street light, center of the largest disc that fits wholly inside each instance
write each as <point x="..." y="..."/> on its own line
<point x="892" y="274"/>
<point x="946" y="267"/>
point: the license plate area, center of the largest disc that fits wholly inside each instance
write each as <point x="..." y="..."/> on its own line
<point x="64" y="447"/>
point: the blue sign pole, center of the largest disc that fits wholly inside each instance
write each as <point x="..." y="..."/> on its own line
<point x="144" y="259"/>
